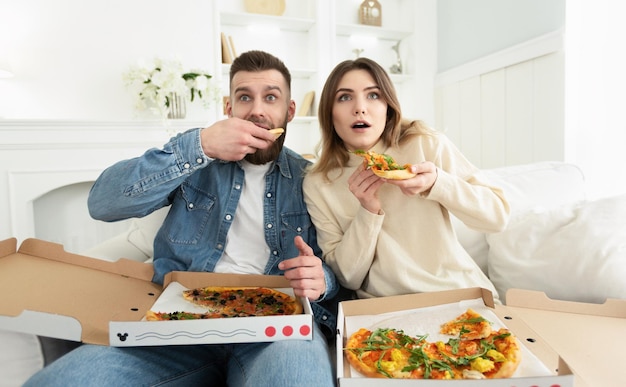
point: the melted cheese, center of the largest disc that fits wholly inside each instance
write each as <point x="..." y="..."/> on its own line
<point x="482" y="365"/>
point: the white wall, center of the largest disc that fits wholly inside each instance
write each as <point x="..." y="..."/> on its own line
<point x="469" y="30"/>
<point x="596" y="93"/>
<point x="593" y="132"/>
<point x="68" y="55"/>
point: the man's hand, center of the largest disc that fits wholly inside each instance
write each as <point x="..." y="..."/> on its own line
<point x="233" y="138"/>
<point x="305" y="272"/>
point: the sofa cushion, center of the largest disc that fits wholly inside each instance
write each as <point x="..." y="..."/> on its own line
<point x="575" y="252"/>
<point x="20" y="357"/>
<point x="143" y="230"/>
<point x="543" y="184"/>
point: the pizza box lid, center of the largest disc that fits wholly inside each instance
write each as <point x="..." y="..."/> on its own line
<point x="589" y="337"/>
<point x="562" y="374"/>
<point x="50" y="292"/>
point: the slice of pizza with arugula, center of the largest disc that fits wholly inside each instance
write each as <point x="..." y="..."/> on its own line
<point x="385" y="166"/>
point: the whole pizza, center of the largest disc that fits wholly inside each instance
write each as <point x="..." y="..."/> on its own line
<point x="474" y="352"/>
<point x="223" y="301"/>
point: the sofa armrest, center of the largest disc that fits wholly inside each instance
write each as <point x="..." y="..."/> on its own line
<point x="115" y="248"/>
<point x="136" y="244"/>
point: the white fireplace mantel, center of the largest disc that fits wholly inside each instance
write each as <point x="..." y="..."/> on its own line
<point x="38" y="156"/>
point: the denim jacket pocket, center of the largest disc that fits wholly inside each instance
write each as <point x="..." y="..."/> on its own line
<point x="189" y="214"/>
<point x="293" y="224"/>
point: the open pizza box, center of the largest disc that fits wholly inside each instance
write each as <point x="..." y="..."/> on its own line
<point x="50" y="292"/>
<point x="573" y="343"/>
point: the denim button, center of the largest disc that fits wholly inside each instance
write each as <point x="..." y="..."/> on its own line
<point x="199" y="160"/>
<point x="269" y="194"/>
<point x="228" y="217"/>
<point x="190" y="205"/>
<point x="237" y="186"/>
<point x="186" y="166"/>
<point x="269" y="225"/>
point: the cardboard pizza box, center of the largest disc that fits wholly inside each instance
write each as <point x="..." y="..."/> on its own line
<point x="50" y="292"/>
<point x="555" y="371"/>
<point x="590" y="337"/>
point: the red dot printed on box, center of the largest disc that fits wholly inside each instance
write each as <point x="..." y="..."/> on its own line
<point x="288" y="330"/>
<point x="305" y="330"/>
<point x="270" y="331"/>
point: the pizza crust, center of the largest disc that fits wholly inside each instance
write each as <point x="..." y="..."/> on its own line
<point x="277" y="131"/>
<point x="398" y="174"/>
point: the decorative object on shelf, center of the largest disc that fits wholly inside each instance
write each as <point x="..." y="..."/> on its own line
<point x="358" y="51"/>
<point x="307" y="104"/>
<point x="266" y="7"/>
<point x="227" y="56"/>
<point x="164" y="88"/>
<point x="177" y="105"/>
<point x="396" y="68"/>
<point x="370" y="13"/>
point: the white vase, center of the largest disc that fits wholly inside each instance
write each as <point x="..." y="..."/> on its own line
<point x="177" y="108"/>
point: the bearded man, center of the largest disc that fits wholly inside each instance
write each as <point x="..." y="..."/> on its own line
<point x="236" y="206"/>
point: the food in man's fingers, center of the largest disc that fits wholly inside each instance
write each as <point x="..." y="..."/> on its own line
<point x="385" y="166"/>
<point x="277" y="131"/>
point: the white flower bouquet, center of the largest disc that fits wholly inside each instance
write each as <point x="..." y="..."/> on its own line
<point x="161" y="85"/>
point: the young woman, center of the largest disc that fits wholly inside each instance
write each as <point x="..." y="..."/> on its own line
<point x="386" y="237"/>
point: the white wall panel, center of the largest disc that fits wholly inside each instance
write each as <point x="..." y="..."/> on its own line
<point x="451" y="120"/>
<point x="508" y="116"/>
<point x="549" y="107"/>
<point x="519" y="113"/>
<point x="493" y="119"/>
<point x="469" y="95"/>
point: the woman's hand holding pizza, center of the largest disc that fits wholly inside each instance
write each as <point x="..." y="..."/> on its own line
<point x="425" y="177"/>
<point x="305" y="272"/>
<point x="364" y="185"/>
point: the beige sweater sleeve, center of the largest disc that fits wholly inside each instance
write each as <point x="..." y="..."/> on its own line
<point x="347" y="248"/>
<point x="462" y="191"/>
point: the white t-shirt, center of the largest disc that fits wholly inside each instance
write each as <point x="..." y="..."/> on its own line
<point x="246" y="251"/>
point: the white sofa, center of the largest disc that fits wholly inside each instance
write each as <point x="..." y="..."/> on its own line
<point x="557" y="241"/>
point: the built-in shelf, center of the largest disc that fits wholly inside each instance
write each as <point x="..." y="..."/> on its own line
<point x="378" y="32"/>
<point x="250" y="19"/>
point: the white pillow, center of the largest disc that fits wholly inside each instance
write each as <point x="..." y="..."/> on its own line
<point x="20" y="357"/>
<point x="143" y="230"/>
<point x="546" y="184"/>
<point x="576" y="252"/>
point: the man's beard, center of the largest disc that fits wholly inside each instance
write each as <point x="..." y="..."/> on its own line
<point x="263" y="156"/>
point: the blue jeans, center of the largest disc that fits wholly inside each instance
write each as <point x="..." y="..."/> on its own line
<point x="280" y="363"/>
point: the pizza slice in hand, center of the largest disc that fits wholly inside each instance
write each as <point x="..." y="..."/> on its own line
<point x="385" y="166"/>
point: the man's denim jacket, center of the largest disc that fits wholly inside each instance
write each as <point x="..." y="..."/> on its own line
<point x="203" y="194"/>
